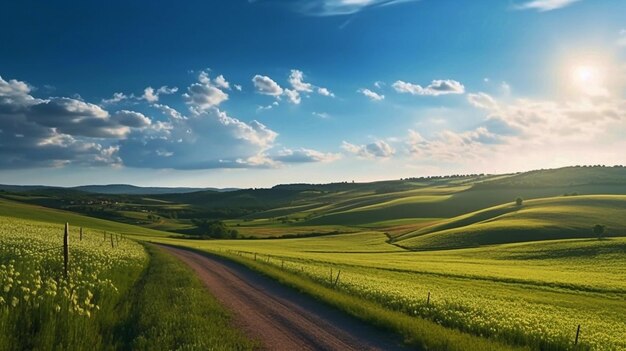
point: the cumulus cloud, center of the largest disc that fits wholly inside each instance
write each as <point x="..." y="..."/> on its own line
<point x="293" y="96"/>
<point x="435" y="88"/>
<point x="266" y="86"/>
<point x="545" y="5"/>
<point x="377" y="149"/>
<point x="168" y="111"/>
<point x="296" y="79"/>
<point x="152" y="95"/>
<point x="371" y="94"/>
<point x="481" y="100"/>
<point x="449" y="146"/>
<point x="210" y="139"/>
<point x="58" y="130"/>
<point x="325" y="92"/>
<point x="204" y="96"/>
<point x="117" y="97"/>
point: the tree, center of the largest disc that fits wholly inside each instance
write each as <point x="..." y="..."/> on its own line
<point x="598" y="230"/>
<point x="213" y="229"/>
<point x="519" y="201"/>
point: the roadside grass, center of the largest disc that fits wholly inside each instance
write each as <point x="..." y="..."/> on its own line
<point x="116" y="298"/>
<point x="40" y="309"/>
<point x="528" y="294"/>
<point x="420" y="333"/>
<point x="172" y="310"/>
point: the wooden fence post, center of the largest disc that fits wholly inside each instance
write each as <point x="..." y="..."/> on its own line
<point x="337" y="279"/>
<point x="66" y="248"/>
<point x="577" y="333"/>
<point x="81" y="234"/>
<point x="105" y="235"/>
<point x="112" y="246"/>
<point x="428" y="299"/>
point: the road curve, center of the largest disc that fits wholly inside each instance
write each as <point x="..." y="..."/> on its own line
<point x="280" y="317"/>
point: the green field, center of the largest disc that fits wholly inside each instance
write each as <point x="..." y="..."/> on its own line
<point x="109" y="299"/>
<point x="448" y="263"/>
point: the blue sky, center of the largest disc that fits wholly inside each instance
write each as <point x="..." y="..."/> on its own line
<point x="254" y="93"/>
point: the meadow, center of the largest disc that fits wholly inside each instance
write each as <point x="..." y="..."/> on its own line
<point x="525" y="294"/>
<point x="111" y="298"/>
<point x="450" y="263"/>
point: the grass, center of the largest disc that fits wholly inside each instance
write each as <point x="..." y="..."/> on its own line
<point x="40" y="308"/>
<point x="115" y="298"/>
<point x="173" y="311"/>
<point x="42" y="214"/>
<point x="421" y="333"/>
<point x="541" y="219"/>
<point x="524" y="294"/>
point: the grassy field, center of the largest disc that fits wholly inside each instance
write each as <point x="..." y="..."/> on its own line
<point x="450" y="263"/>
<point x="542" y="219"/>
<point x="113" y="297"/>
<point x="526" y="294"/>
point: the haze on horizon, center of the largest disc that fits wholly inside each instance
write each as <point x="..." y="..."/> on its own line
<point x="256" y="93"/>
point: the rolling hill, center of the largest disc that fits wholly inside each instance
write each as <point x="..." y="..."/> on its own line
<point x="565" y="217"/>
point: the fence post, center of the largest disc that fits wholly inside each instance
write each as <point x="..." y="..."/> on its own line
<point x="337" y="279"/>
<point x="81" y="234"/>
<point x="105" y="235"/>
<point x="577" y="333"/>
<point x="112" y="246"/>
<point x="428" y="299"/>
<point x="66" y="248"/>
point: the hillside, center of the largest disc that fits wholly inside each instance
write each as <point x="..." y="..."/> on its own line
<point x="542" y="219"/>
<point x="38" y="213"/>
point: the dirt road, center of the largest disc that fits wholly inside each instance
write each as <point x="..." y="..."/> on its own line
<point x="278" y="316"/>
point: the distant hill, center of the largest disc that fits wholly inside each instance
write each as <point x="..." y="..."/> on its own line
<point x="114" y="189"/>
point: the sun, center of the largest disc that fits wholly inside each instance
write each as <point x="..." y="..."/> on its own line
<point x="588" y="79"/>
<point x="585" y="73"/>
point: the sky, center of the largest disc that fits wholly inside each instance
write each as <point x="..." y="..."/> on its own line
<point x="253" y="93"/>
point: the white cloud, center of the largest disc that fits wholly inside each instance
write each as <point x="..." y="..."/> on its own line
<point x="481" y="100"/>
<point x="296" y="79"/>
<point x="238" y="87"/>
<point x="151" y="95"/>
<point x="209" y="139"/>
<point x="377" y="149"/>
<point x="221" y="82"/>
<point x="371" y="94"/>
<point x="325" y="92"/>
<point x="266" y="86"/>
<point x="293" y="96"/>
<point x="545" y="5"/>
<point x="435" y="88"/>
<point x="204" y="96"/>
<point x="169" y="112"/>
<point x="117" y="97"/>
<point x="449" y="146"/>
<point x="322" y="115"/>
<point x="339" y="7"/>
<point x="59" y="130"/>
